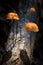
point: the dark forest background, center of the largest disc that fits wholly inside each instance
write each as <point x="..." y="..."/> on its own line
<point x="7" y="6"/>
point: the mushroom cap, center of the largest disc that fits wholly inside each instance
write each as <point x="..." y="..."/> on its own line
<point x="32" y="9"/>
<point x="31" y="27"/>
<point x="13" y="15"/>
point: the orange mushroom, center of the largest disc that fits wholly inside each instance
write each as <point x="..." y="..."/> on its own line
<point x="32" y="9"/>
<point x="13" y="15"/>
<point x="31" y="27"/>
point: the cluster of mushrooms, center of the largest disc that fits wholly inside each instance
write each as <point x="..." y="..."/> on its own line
<point x="30" y="26"/>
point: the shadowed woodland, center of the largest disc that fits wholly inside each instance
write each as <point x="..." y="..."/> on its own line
<point x="5" y="26"/>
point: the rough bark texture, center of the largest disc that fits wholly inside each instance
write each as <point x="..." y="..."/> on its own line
<point x="37" y="51"/>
